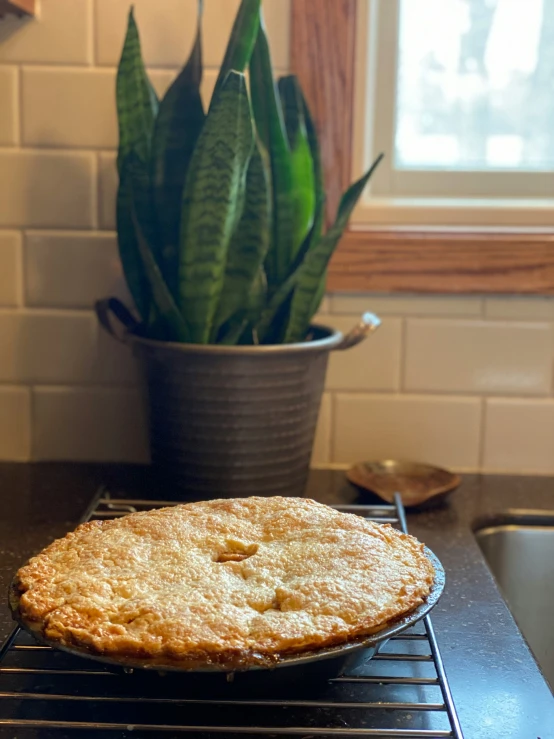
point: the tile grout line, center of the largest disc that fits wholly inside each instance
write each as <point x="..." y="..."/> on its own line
<point x="97" y="194"/>
<point x="94" y="194"/>
<point x="22" y="291"/>
<point x="32" y="402"/>
<point x="333" y="430"/>
<point x="23" y="298"/>
<point x="481" y="435"/>
<point x="53" y="66"/>
<point x="92" y="32"/>
<point x="403" y="356"/>
<point x="19" y="106"/>
<point x="330" y="435"/>
<point x="552" y="369"/>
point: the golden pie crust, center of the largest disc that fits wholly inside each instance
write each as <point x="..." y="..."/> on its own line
<point x="236" y="582"/>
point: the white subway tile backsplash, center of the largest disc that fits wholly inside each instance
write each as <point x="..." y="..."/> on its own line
<point x="479" y="357"/>
<point x="218" y="18"/>
<point x="86" y="97"/>
<point x="519" y="436"/>
<point x="324" y="308"/>
<point x="372" y="365"/>
<point x="114" y="363"/>
<point x="208" y="83"/>
<point x="10" y="268"/>
<point x="218" y="21"/>
<point x="9" y="120"/>
<point x="322" y="444"/>
<point x="46" y="347"/>
<point x="92" y="425"/>
<point x="47" y="189"/>
<point x="71" y="269"/>
<point x="277" y="14"/>
<point x="520" y="309"/>
<point x="409" y="305"/>
<point x="441" y="431"/>
<point x="15" y="424"/>
<point x="167" y="29"/>
<point x="398" y="394"/>
<point x="162" y="78"/>
<point x="60" y="34"/>
<point x="60" y="347"/>
<point x="107" y="189"/>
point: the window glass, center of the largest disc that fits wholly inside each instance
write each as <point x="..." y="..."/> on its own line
<point x="475" y="87"/>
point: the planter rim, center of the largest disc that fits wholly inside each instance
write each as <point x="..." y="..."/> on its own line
<point x="327" y="343"/>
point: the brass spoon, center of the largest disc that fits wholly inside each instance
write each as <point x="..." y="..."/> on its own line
<point x="417" y="483"/>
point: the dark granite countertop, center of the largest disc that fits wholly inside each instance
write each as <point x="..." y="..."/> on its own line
<point x="497" y="687"/>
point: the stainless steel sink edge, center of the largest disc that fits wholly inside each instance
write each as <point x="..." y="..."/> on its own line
<point x="518" y="547"/>
<point x="514" y="517"/>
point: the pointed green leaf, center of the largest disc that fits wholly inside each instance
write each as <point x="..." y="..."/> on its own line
<point x="239" y="329"/>
<point x="271" y="131"/>
<point x="242" y="40"/>
<point x="212" y="204"/>
<point x="274" y="333"/>
<point x="311" y="272"/>
<point x="166" y="307"/>
<point x="178" y="125"/>
<point x="304" y="184"/>
<point x="286" y="288"/>
<point x="249" y="243"/>
<point x="319" y="182"/>
<point x="257" y="297"/>
<point x="318" y="295"/>
<point x="131" y="261"/>
<point x="137" y="104"/>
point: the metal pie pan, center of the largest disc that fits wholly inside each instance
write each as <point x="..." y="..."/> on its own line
<point x="372" y="642"/>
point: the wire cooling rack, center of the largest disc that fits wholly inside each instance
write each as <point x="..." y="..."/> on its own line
<point x="402" y="691"/>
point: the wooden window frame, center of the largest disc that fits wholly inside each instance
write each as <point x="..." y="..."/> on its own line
<point x="323" y="35"/>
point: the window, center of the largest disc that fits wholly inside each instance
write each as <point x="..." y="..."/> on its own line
<point x="465" y="203"/>
<point x="459" y="94"/>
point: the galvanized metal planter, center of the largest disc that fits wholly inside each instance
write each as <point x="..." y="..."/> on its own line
<point x="235" y="421"/>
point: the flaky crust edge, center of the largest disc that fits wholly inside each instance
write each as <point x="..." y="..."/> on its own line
<point x="81" y="642"/>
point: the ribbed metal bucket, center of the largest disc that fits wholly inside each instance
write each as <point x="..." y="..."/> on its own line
<point x="233" y="421"/>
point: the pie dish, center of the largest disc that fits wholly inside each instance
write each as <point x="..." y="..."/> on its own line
<point x="235" y="583"/>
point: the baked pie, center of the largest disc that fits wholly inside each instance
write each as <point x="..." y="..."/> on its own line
<point x="236" y="582"/>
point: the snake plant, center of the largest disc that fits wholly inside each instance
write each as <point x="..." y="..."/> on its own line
<point x="220" y="212"/>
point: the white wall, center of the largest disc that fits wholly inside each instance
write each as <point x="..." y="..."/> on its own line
<point x="462" y="382"/>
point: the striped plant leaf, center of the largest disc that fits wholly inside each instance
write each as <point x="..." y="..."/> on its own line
<point x="210" y="209"/>
<point x="167" y="312"/>
<point x="178" y="125"/>
<point x="241" y="328"/>
<point x="319" y="294"/>
<point x="319" y="182"/>
<point x="137" y="103"/>
<point x="311" y="272"/>
<point x="249" y="244"/>
<point x="303" y="174"/>
<point x="273" y="332"/>
<point x="129" y="254"/>
<point x="242" y="40"/>
<point x="272" y="134"/>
